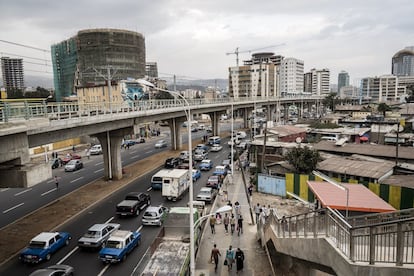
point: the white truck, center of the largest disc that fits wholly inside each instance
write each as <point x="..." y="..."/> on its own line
<point x="175" y="183"/>
<point x="156" y="179"/>
<point x="170" y="251"/>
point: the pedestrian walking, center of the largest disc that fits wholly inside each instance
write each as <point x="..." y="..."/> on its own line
<point x="250" y="190"/>
<point x="265" y="211"/>
<point x="215" y="253"/>
<point x="229" y="258"/>
<point x="257" y="211"/>
<point x="73" y="148"/>
<point x="240" y="225"/>
<point x="226" y="221"/>
<point x="212" y="224"/>
<point x="57" y="182"/>
<point x="232" y="223"/>
<point x="239" y="260"/>
<point x="237" y="209"/>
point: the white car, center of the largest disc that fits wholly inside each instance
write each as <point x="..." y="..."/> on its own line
<point x="161" y="144"/>
<point x="207" y="194"/>
<point x="216" y="147"/>
<point x="184" y="155"/>
<point x="97" y="235"/>
<point x="95" y="150"/>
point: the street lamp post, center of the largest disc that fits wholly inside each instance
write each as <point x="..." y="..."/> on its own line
<point x="190" y="169"/>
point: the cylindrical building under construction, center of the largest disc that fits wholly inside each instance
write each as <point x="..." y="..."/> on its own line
<point x="88" y="57"/>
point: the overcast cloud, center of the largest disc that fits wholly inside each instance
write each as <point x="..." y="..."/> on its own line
<point x="191" y="38"/>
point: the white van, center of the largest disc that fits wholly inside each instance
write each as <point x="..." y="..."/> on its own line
<point x="214" y="140"/>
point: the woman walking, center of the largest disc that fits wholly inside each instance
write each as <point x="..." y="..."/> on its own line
<point x="239" y="260"/>
<point x="229" y="257"/>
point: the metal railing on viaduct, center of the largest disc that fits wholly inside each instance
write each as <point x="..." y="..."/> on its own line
<point x="377" y="244"/>
<point x="28" y="109"/>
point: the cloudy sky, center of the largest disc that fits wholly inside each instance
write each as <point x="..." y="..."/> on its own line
<point x="191" y="38"/>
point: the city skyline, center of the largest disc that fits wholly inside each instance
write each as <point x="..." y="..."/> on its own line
<point x="191" y="39"/>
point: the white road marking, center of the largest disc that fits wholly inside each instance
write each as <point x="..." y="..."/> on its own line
<point x="103" y="270"/>
<point x="98" y="170"/>
<point x="134" y="151"/>
<point x="77" y="179"/>
<point x="109" y="220"/>
<point x="135" y="156"/>
<point x="139" y="228"/>
<point x="68" y="255"/>
<point x="45" y="193"/>
<point x="99" y="163"/>
<point x="50" y="181"/>
<point x="5" y="189"/>
<point x="22" y="192"/>
<point x="12" y="208"/>
<point x="149" y="151"/>
<point x="140" y="261"/>
<point x="149" y="189"/>
<point x="78" y="171"/>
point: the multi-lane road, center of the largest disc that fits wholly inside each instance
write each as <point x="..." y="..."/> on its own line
<point x="21" y="201"/>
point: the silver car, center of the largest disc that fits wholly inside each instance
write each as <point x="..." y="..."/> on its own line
<point x="97" y="235"/>
<point x="73" y="165"/>
<point x="161" y="144"/>
<point x="54" y="270"/>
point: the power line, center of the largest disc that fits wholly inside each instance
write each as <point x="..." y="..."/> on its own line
<point x="23" y="45"/>
<point x="15" y="55"/>
<point x="36" y="63"/>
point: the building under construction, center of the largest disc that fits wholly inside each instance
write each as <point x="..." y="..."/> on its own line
<point x="93" y="56"/>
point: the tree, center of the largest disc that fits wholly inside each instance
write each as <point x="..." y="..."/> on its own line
<point x="304" y="160"/>
<point x="383" y="107"/>
<point x="330" y="101"/>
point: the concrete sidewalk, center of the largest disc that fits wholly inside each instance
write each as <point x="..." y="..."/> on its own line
<point x="256" y="261"/>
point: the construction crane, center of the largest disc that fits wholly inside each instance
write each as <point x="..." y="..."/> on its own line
<point x="237" y="51"/>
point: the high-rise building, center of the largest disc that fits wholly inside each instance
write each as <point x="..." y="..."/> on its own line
<point x="151" y="70"/>
<point x="92" y="56"/>
<point x="258" y="77"/>
<point x="291" y="76"/>
<point x="12" y="72"/>
<point x="320" y="81"/>
<point x="307" y="82"/>
<point x="343" y="80"/>
<point x="403" y="62"/>
<point x="382" y="89"/>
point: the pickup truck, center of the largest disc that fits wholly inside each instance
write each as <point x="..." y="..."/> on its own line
<point x="119" y="245"/>
<point x="133" y="204"/>
<point x="43" y="246"/>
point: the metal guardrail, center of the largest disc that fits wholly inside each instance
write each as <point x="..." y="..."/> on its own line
<point x="27" y="109"/>
<point x="387" y="241"/>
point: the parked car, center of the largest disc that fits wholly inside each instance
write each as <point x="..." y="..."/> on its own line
<point x="205" y="165"/>
<point x="216" y="147"/>
<point x="56" y="163"/>
<point x="70" y="156"/>
<point x="54" y="270"/>
<point x="161" y="144"/>
<point x="207" y="194"/>
<point x="154" y="215"/>
<point x="172" y="162"/>
<point x="97" y="235"/>
<point x="95" y="150"/>
<point x="213" y="181"/>
<point x="184" y="155"/>
<point x="73" y="165"/>
<point x="43" y="246"/>
<point x="119" y="244"/>
<point x="196" y="175"/>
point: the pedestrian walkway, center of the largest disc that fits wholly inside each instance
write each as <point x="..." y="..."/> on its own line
<point x="256" y="261"/>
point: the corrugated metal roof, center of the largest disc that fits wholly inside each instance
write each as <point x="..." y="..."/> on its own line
<point x="367" y="149"/>
<point x="363" y="168"/>
<point x="361" y="199"/>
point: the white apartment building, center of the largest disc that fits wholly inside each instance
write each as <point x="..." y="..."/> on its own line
<point x="320" y="81"/>
<point x="382" y="89"/>
<point x="291" y="76"/>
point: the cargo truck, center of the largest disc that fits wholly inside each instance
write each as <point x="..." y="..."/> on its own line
<point x="175" y="183"/>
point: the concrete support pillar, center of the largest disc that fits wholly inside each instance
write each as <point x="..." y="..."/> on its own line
<point x="175" y="130"/>
<point x="111" y="148"/>
<point x="286" y="112"/>
<point x="215" y="120"/>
